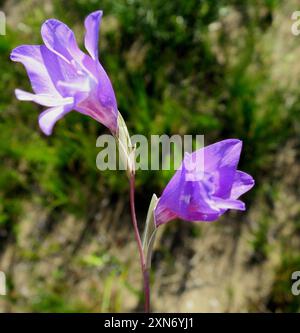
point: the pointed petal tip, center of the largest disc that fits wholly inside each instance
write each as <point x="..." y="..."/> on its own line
<point x="16" y="91"/>
<point x="46" y="24"/>
<point x="44" y="129"/>
<point x="92" y="25"/>
<point x="229" y="145"/>
<point x="12" y="55"/>
<point x="47" y="133"/>
<point x="15" y="53"/>
<point x="97" y="13"/>
<point x="51" y="25"/>
<point x="47" y="130"/>
<point x="251" y="181"/>
<point x="19" y="94"/>
<point x="234" y="142"/>
<point x="48" y="118"/>
<point x="51" y="22"/>
<point x="242" y="206"/>
<point x="22" y="95"/>
<point x="247" y="179"/>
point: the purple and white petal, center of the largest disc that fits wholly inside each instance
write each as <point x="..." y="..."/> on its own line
<point x="242" y="183"/>
<point x="221" y="160"/>
<point x="224" y="204"/>
<point x="43" y="99"/>
<point x="36" y="59"/>
<point x="92" y="26"/>
<point x="48" y="118"/>
<point x="60" y="72"/>
<point x="206" y="191"/>
<point x="60" y="39"/>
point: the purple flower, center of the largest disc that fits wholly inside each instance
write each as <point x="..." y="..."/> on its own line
<point x="206" y="185"/>
<point x="64" y="78"/>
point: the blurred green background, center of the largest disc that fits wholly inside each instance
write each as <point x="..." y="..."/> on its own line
<point x="225" y="69"/>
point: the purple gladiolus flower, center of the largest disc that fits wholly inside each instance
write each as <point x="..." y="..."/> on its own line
<point x="64" y="78"/>
<point x="194" y="194"/>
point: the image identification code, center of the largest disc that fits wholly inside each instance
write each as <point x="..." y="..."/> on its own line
<point x="151" y="322"/>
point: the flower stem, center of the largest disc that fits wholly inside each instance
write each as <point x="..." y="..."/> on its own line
<point x="145" y="272"/>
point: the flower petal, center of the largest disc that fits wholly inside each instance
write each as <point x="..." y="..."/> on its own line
<point x="242" y="184"/>
<point x="93" y="107"/>
<point x="225" y="204"/>
<point x="105" y="93"/>
<point x="221" y="160"/>
<point x="48" y="118"/>
<point x="60" y="39"/>
<point x="34" y="57"/>
<point x="101" y="103"/>
<point x="43" y="99"/>
<point x="163" y="215"/>
<point x="92" y="25"/>
<point x="204" y="191"/>
<point x="188" y="200"/>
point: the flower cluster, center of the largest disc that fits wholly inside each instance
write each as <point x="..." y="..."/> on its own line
<point x="64" y="78"/>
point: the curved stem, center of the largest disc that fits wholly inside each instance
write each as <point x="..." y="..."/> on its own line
<point x="145" y="272"/>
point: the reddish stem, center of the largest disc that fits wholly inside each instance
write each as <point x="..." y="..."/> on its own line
<point x="145" y="272"/>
